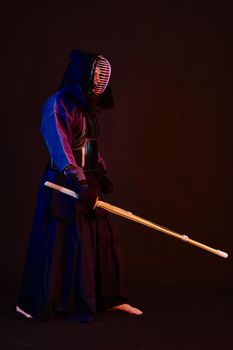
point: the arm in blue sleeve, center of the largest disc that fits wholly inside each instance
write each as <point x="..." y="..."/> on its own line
<point x="56" y="131"/>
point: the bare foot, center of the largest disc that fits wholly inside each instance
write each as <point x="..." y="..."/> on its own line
<point x="23" y="312"/>
<point x="126" y="308"/>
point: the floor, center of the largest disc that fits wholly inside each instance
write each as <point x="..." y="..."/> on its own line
<point x="172" y="320"/>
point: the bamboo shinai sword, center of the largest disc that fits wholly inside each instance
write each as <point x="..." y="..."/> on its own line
<point x="128" y="215"/>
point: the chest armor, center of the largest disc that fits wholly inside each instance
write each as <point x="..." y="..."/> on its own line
<point x="85" y="146"/>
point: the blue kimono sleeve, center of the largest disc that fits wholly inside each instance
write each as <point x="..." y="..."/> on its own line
<point x="55" y="128"/>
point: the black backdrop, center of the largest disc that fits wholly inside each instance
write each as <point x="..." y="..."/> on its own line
<point x="167" y="143"/>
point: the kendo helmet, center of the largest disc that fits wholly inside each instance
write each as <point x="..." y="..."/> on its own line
<point x="86" y="78"/>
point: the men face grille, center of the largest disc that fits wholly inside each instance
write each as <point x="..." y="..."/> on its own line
<point x="101" y="75"/>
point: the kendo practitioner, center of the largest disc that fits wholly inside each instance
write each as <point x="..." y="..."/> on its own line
<point x="73" y="266"/>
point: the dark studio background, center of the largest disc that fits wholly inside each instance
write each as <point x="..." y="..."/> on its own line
<point x="167" y="142"/>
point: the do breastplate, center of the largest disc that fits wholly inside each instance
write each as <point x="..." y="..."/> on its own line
<point x="85" y="146"/>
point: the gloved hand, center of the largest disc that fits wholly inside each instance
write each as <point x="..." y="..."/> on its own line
<point x="87" y="198"/>
<point x="105" y="182"/>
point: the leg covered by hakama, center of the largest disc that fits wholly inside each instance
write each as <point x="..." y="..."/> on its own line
<point x="73" y="266"/>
